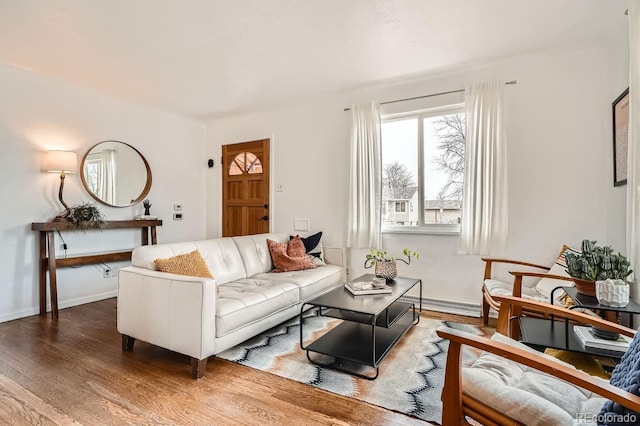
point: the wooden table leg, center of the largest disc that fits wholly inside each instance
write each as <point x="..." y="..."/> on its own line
<point x="144" y="235"/>
<point x="153" y="235"/>
<point x="53" y="284"/>
<point x="42" y="267"/>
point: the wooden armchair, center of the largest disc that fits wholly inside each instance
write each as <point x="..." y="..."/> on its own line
<point x="549" y="277"/>
<point x="497" y="401"/>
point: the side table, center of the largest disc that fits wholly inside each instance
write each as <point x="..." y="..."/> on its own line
<point x="591" y="302"/>
<point x="540" y="333"/>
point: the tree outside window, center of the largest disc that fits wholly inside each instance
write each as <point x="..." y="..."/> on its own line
<point x="423" y="166"/>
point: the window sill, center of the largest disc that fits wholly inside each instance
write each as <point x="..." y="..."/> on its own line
<point x="424" y="230"/>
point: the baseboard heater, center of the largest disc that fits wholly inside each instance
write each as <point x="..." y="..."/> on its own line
<point x="457" y="308"/>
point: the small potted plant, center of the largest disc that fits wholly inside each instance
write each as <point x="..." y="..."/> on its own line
<point x="86" y="216"/>
<point x="386" y="264"/>
<point x="612" y="292"/>
<point x="596" y="263"/>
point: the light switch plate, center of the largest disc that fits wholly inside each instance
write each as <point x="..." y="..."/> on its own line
<point x="301" y="225"/>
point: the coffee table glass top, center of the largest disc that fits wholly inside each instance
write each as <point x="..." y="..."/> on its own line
<point x="372" y="304"/>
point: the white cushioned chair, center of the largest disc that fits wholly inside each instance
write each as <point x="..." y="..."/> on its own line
<point x="539" y="287"/>
<point x="511" y="383"/>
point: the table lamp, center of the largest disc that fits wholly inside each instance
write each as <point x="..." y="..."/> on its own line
<point x="62" y="162"/>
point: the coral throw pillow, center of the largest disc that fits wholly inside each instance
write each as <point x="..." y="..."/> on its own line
<point x="313" y="246"/>
<point x="191" y="264"/>
<point x="289" y="257"/>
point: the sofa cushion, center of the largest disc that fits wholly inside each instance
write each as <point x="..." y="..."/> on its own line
<point x="255" y="253"/>
<point x="191" y="264"/>
<point x="289" y="256"/>
<point x="221" y="256"/>
<point x="248" y="300"/>
<point x="526" y="394"/>
<point x="501" y="288"/>
<point x="311" y="282"/>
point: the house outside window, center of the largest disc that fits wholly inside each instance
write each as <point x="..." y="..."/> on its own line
<point x="423" y="166"/>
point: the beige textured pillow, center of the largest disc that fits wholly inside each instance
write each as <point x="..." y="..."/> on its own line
<point x="191" y="264"/>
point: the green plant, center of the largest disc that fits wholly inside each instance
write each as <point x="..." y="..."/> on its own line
<point x="597" y="263"/>
<point x="86" y="216"/>
<point x="383" y="256"/>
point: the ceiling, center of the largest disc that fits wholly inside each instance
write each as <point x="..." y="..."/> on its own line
<point x="207" y="58"/>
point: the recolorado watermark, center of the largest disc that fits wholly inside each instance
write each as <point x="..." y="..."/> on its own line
<point x="628" y="418"/>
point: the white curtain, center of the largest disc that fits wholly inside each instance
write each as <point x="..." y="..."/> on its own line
<point x="365" y="183"/>
<point x="484" y="201"/>
<point x="633" y="164"/>
<point x="107" y="186"/>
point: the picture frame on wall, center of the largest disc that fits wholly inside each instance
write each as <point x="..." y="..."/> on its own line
<point x="620" y="109"/>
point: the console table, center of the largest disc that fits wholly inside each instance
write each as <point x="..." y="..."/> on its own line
<point x="47" y="253"/>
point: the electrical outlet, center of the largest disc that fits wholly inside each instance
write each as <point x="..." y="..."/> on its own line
<point x="177" y="207"/>
<point x="106" y="273"/>
<point x="177" y="216"/>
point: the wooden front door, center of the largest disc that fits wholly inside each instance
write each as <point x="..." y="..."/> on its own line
<point x="245" y="188"/>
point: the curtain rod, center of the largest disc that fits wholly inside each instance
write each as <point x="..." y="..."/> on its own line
<point x="428" y="96"/>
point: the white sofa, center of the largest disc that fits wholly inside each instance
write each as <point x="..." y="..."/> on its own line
<point x="201" y="317"/>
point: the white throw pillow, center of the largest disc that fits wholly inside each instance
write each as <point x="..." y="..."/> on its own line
<point x="546" y="285"/>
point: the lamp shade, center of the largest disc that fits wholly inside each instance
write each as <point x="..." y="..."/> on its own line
<point x="62" y="161"/>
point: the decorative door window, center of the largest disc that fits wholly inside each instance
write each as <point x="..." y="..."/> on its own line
<point x="245" y="162"/>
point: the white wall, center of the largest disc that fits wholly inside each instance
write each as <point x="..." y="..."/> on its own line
<point x="560" y="168"/>
<point x="38" y="113"/>
<point x="560" y="162"/>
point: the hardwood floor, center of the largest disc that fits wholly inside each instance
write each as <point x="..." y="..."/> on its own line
<point x="72" y="371"/>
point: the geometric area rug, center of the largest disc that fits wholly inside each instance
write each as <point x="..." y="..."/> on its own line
<point x="410" y="379"/>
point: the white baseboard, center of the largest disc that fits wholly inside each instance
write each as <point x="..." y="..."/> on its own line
<point x="61" y="305"/>
<point x="457" y="308"/>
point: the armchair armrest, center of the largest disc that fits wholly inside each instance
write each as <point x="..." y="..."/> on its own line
<point x="490" y="261"/>
<point x="517" y="281"/>
<point x="452" y="394"/>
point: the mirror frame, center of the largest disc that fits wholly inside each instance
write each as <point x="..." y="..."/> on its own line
<point x="143" y="194"/>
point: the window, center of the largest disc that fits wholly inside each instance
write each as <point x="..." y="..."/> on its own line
<point x="245" y="162"/>
<point x="92" y="173"/>
<point x="423" y="166"/>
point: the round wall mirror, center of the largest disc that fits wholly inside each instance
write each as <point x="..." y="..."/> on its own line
<point x="116" y="174"/>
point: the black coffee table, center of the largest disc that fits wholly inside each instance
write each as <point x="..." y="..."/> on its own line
<point x="372" y="324"/>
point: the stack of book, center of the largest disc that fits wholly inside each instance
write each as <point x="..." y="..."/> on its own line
<point x="365" y="287"/>
<point x="590" y="340"/>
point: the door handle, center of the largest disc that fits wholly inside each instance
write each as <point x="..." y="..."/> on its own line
<point x="265" y="217"/>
